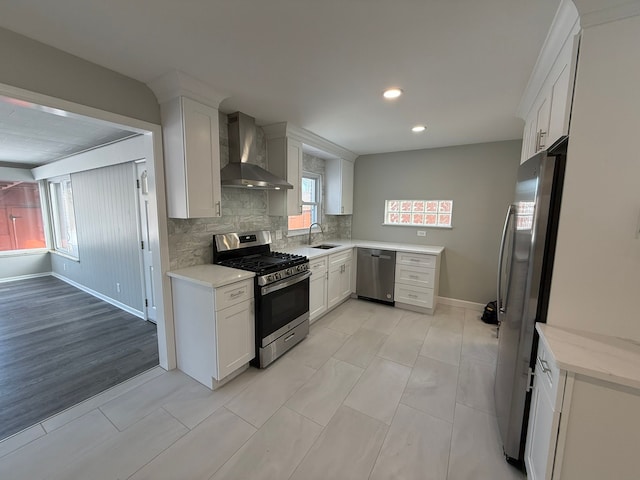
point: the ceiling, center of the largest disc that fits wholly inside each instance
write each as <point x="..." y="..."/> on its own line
<point x="31" y="135"/>
<point x="321" y="64"/>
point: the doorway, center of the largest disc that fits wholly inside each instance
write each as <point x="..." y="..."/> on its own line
<point x="152" y="206"/>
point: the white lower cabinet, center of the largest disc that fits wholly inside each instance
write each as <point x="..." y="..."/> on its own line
<point x="318" y="288"/>
<point x="580" y="426"/>
<point x="544" y="418"/>
<point x="339" y="287"/>
<point x="214" y="328"/>
<point x="416" y="283"/>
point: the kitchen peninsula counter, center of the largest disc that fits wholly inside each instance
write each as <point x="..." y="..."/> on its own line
<point x="607" y="358"/>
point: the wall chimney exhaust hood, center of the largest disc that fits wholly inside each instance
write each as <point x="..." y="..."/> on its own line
<point x="242" y="172"/>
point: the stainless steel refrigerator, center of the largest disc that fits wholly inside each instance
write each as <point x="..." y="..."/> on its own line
<point x="525" y="269"/>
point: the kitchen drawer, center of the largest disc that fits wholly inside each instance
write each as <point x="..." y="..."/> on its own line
<point x="318" y="265"/>
<point x="413" y="295"/>
<point x="412" y="275"/>
<point x="549" y="376"/>
<point x="338" y="258"/>
<point x="233" y="294"/>
<point x="416" y="259"/>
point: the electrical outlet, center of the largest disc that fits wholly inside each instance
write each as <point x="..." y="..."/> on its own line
<point x="118" y="287"/>
<point x="422" y="233"/>
<point x="278" y="234"/>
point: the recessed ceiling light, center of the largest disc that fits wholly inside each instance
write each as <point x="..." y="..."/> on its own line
<point x="392" y="93"/>
<point x="418" y="128"/>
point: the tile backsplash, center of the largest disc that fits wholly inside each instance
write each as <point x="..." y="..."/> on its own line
<point x="190" y="240"/>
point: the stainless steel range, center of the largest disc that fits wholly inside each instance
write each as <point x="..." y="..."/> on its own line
<point x="281" y="290"/>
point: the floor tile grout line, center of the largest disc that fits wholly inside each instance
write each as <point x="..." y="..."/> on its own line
<point x="189" y="430"/>
<point x="241" y="446"/>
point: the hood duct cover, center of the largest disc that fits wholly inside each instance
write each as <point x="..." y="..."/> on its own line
<point x="242" y="171"/>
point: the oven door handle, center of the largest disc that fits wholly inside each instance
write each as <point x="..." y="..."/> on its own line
<point x="285" y="283"/>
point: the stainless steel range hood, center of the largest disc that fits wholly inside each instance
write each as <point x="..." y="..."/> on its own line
<point x="242" y="172"/>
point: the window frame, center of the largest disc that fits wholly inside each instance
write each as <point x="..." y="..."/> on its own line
<point x="318" y="204"/>
<point x="55" y="219"/>
<point x="43" y="213"/>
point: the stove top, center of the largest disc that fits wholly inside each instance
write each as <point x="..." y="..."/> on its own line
<point x="251" y="251"/>
<point x="263" y="263"/>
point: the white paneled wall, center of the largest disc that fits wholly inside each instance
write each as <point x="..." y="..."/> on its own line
<point x="109" y="248"/>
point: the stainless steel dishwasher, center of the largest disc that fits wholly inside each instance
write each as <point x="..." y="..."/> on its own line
<point x="376" y="274"/>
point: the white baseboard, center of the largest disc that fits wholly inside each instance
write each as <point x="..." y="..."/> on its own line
<point x="454" y="302"/>
<point x="25" y="277"/>
<point x="102" y="297"/>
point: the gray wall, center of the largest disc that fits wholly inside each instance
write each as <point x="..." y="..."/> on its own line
<point x="480" y="179"/>
<point x="37" y="67"/>
<point x="106" y="221"/>
<point x="29" y="264"/>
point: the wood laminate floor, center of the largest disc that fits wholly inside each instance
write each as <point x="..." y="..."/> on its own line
<point x="60" y="346"/>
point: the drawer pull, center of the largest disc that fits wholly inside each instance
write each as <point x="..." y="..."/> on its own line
<point x="412" y="296"/>
<point x="544" y="365"/>
<point x="290" y="337"/>
<point x="414" y="276"/>
<point x="236" y="294"/>
<point x="414" y="259"/>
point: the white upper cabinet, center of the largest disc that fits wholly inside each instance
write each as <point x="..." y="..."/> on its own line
<point x="191" y="145"/>
<point x="285" y="146"/>
<point x="546" y="104"/>
<point x="284" y="155"/>
<point x="339" y="198"/>
<point x="192" y="158"/>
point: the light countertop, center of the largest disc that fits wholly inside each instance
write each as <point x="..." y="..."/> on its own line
<point x="213" y="276"/>
<point x="607" y="358"/>
<point x="343" y="245"/>
<point x="216" y="276"/>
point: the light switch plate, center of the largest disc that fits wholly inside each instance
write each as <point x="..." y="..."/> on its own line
<point x="278" y="234"/>
<point x="422" y="233"/>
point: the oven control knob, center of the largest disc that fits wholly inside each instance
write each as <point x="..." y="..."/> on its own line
<point x="269" y="278"/>
<point x="288" y="271"/>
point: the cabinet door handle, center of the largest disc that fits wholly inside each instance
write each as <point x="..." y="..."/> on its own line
<point x="412" y="296"/>
<point x="342" y="209"/>
<point x="542" y="144"/>
<point x="218" y="209"/>
<point x="545" y="366"/>
<point x="236" y="294"/>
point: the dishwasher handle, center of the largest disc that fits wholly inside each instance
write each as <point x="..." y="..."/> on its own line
<point x="383" y="257"/>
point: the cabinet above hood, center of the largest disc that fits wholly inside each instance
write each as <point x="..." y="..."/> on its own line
<point x="242" y="172"/>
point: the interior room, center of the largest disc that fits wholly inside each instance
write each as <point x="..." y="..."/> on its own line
<point x="81" y="320"/>
<point x="401" y="238"/>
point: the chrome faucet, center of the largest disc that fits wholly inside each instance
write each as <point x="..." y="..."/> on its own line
<point x="311" y="226"/>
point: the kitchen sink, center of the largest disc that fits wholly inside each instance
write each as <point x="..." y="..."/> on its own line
<point x="325" y="246"/>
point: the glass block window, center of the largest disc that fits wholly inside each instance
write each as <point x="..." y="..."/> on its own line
<point x="418" y="213"/>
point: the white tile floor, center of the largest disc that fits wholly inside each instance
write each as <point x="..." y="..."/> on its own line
<point x="373" y="393"/>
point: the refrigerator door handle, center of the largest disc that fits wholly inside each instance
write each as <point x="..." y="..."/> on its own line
<point x="503" y="241"/>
